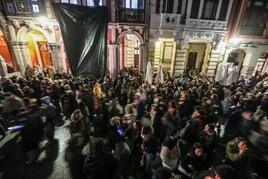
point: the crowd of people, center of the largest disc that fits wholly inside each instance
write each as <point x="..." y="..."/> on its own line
<point x="123" y="124"/>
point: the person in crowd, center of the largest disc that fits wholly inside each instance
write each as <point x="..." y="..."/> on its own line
<point x="148" y="149"/>
<point x="29" y="71"/>
<point x="134" y="140"/>
<point x="238" y="155"/>
<point x="193" y="162"/>
<point x="78" y="127"/>
<point x="222" y="171"/>
<point x="128" y="118"/>
<point x="69" y="103"/>
<point x="139" y="104"/>
<point x="100" y="163"/>
<point x="11" y="106"/>
<point x="162" y="173"/>
<point x="170" y="119"/>
<point x="207" y="138"/>
<point x="50" y="114"/>
<point x="32" y="131"/>
<point x="170" y="153"/>
<point x="194" y="127"/>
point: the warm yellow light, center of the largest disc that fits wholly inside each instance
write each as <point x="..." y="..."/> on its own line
<point x="157" y="44"/>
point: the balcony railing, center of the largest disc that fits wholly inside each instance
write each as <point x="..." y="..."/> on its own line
<point x="206" y="24"/>
<point x="165" y="21"/>
<point x="131" y="15"/>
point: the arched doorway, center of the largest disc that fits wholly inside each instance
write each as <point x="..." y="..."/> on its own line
<point x="236" y="59"/>
<point x="129" y="49"/>
<point x="5" y="53"/>
<point x="38" y="48"/>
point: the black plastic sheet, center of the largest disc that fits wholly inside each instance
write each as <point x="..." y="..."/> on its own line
<point x="84" y="33"/>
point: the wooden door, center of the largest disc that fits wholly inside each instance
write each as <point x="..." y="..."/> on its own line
<point x="191" y="60"/>
<point x="44" y="53"/>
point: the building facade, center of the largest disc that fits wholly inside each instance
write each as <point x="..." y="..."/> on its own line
<point x="207" y="35"/>
<point x="31" y="35"/>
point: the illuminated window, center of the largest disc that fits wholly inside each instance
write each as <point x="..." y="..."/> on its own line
<point x="73" y="1"/>
<point x="94" y="3"/>
<point x="35" y="8"/>
<point x="132" y="4"/>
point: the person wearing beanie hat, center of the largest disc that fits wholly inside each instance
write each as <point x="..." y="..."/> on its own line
<point x="226" y="172"/>
<point x="220" y="172"/>
<point x="162" y="173"/>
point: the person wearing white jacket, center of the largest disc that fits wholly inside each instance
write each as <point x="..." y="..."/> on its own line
<point x="169" y="151"/>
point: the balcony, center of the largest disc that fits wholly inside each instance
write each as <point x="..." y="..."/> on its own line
<point x="131" y="15"/>
<point x="206" y="24"/>
<point x="165" y="21"/>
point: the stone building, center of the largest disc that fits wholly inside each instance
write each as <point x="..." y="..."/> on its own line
<point x="207" y="35"/>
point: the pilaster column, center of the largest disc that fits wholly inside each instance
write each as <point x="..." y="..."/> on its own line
<point x="54" y="51"/>
<point x="12" y="33"/>
<point x="113" y="65"/>
<point x="189" y="8"/>
<point x="218" y="10"/>
<point x="142" y="59"/>
<point x="22" y="56"/>
<point x="229" y="10"/>
<point x="113" y="34"/>
<point x="183" y="6"/>
<point x="200" y="10"/>
<point x="161" y="6"/>
<point x="175" y="6"/>
<point x="62" y="58"/>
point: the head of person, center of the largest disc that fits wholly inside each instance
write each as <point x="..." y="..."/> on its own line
<point x="171" y="106"/>
<point x="77" y="114"/>
<point x="137" y="125"/>
<point x="97" y="147"/>
<point x="239" y="143"/>
<point x="222" y="172"/>
<point x="174" y="133"/>
<point x="162" y="173"/>
<point x="209" y="128"/>
<point x="147" y="131"/>
<point x="197" y="150"/>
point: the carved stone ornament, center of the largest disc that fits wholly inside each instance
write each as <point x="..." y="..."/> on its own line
<point x="213" y="38"/>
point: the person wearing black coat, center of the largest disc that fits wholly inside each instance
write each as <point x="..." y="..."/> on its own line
<point x="193" y="163"/>
<point x="100" y="164"/>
